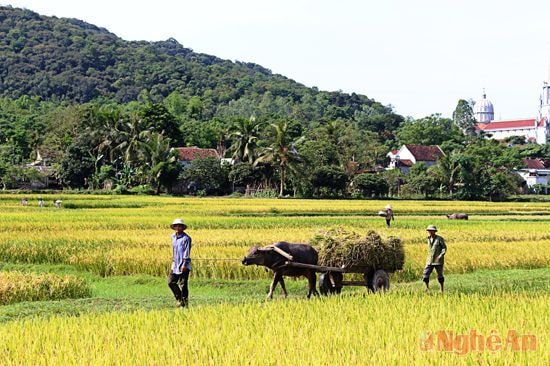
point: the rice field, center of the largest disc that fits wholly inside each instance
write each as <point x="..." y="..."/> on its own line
<point x="112" y="236"/>
<point x="17" y="286"/>
<point x="388" y="330"/>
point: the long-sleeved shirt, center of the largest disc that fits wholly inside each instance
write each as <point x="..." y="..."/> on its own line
<point x="436" y="248"/>
<point x="181" y="248"/>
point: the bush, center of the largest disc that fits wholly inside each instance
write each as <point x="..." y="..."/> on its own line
<point x="120" y="189"/>
<point x="369" y="185"/>
<point x="142" y="189"/>
<point x="329" y="182"/>
<point x="208" y="175"/>
<point x="265" y="193"/>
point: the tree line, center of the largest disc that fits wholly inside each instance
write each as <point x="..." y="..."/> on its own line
<point x="130" y="147"/>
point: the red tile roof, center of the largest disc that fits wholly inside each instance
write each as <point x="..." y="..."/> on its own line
<point x="425" y="153"/>
<point x="192" y="153"/>
<point x="511" y="124"/>
<point x="406" y="162"/>
<point x="536" y="163"/>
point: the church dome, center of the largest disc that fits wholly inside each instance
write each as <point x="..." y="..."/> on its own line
<point x="483" y="110"/>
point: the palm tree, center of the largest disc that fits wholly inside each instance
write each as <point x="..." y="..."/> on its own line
<point x="281" y="151"/>
<point x="450" y="170"/>
<point x="102" y="130"/>
<point x="160" y="158"/>
<point x="132" y="137"/>
<point x="244" y="135"/>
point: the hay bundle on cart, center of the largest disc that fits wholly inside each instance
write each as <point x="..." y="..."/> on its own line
<point x="339" y="247"/>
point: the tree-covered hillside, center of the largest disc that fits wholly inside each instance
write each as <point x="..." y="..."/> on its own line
<point x="68" y="59"/>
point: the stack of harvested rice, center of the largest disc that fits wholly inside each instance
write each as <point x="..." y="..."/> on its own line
<point x="341" y="248"/>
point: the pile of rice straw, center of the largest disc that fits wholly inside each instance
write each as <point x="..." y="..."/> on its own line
<point x="341" y="248"/>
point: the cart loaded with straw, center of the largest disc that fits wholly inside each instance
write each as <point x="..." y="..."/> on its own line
<point x="342" y="251"/>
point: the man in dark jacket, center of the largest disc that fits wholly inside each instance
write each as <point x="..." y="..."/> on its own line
<point x="435" y="260"/>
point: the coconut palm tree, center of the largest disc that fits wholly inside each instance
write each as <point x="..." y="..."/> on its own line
<point x="281" y="151"/>
<point x="132" y="138"/>
<point x="103" y="131"/>
<point x="244" y="137"/>
<point x="132" y="135"/>
<point x="161" y="159"/>
<point x="454" y="169"/>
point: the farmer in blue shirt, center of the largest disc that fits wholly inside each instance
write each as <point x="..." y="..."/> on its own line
<point x="181" y="264"/>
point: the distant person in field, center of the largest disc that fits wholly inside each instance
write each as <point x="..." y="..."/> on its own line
<point x="436" y="255"/>
<point x="57" y="203"/>
<point x="24" y="201"/>
<point x="41" y="202"/>
<point x="181" y="264"/>
<point x="389" y="215"/>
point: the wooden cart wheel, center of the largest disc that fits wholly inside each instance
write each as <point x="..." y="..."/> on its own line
<point x="330" y="283"/>
<point x="380" y="281"/>
<point x="368" y="279"/>
<point x="336" y="282"/>
<point x="324" y="284"/>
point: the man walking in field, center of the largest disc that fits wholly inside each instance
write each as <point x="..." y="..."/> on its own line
<point x="389" y="215"/>
<point x="435" y="260"/>
<point x="181" y="264"/>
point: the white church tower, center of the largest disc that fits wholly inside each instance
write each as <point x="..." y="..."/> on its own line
<point x="535" y="129"/>
<point x="543" y="119"/>
<point x="483" y="110"/>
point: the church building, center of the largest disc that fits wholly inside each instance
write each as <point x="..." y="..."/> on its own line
<point x="534" y="130"/>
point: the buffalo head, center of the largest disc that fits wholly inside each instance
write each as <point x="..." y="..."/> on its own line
<point x="256" y="255"/>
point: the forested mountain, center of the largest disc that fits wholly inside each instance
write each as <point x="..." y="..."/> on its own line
<point x="70" y="60"/>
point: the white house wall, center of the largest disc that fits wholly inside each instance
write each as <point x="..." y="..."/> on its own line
<point x="501" y="135"/>
<point x="541" y="177"/>
<point x="405" y="154"/>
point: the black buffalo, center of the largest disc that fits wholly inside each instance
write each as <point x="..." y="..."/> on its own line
<point x="272" y="259"/>
<point x="458" y="216"/>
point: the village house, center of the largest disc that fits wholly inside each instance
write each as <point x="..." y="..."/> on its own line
<point x="188" y="154"/>
<point x="185" y="156"/>
<point x="40" y="174"/>
<point x="536" y="172"/>
<point x="410" y="154"/>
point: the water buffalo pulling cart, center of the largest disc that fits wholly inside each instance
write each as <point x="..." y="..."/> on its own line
<point x="332" y="253"/>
